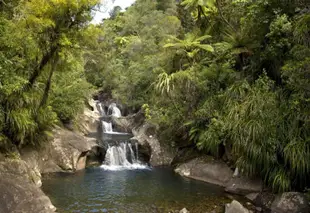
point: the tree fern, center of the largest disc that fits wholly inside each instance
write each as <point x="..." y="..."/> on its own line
<point x="191" y="44"/>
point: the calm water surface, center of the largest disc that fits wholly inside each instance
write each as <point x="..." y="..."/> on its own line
<point x="130" y="191"/>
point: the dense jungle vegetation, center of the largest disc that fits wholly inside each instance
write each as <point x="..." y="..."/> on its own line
<point x="232" y="77"/>
<point x="42" y="80"/>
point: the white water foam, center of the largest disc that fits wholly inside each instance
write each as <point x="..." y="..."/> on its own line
<point x="134" y="166"/>
<point x="114" y="110"/>
<point x="107" y="127"/>
<point x="122" y="157"/>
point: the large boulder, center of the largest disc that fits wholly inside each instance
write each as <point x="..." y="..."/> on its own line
<point x="235" y="207"/>
<point x="66" y="152"/>
<point x="206" y="169"/>
<point x="217" y="172"/>
<point x="19" y="194"/>
<point x="292" y="202"/>
<point x="243" y="185"/>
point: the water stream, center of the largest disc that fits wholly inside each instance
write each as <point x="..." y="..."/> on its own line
<point x="124" y="184"/>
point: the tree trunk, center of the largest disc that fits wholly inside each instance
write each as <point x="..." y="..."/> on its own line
<point x="37" y="71"/>
<point x="49" y="81"/>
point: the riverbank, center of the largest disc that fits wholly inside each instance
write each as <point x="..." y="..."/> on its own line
<point x="198" y="166"/>
<point x="71" y="151"/>
<point x="21" y="170"/>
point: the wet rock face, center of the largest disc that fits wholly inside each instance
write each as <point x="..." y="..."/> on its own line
<point x="19" y="194"/>
<point x="145" y="134"/>
<point x="292" y="202"/>
<point x="144" y="151"/>
<point x="217" y="172"/>
<point x="122" y="124"/>
<point x="95" y="156"/>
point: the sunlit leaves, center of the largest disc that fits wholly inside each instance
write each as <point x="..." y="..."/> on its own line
<point x="164" y="83"/>
<point x="200" y="7"/>
<point x="190" y="45"/>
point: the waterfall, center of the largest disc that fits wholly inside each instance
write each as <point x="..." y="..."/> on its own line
<point x="114" y="110"/>
<point x="100" y="108"/>
<point x="137" y="150"/>
<point x="122" y="157"/>
<point x="107" y="127"/>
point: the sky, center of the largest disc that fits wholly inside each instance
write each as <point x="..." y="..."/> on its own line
<point x="109" y="5"/>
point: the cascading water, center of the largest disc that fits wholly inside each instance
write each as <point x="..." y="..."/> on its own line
<point x="120" y="154"/>
<point x="122" y="157"/>
<point x="114" y="110"/>
<point x="107" y="127"/>
<point x="100" y="108"/>
<point x="137" y="151"/>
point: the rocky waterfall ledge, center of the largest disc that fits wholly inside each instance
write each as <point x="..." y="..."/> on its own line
<point x="145" y="134"/>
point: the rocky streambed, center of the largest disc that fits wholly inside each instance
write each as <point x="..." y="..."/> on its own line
<point x="70" y="152"/>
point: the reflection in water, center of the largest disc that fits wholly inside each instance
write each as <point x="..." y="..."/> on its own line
<point x="129" y="191"/>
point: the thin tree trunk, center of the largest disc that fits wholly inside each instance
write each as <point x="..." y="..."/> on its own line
<point x="37" y="71"/>
<point x="49" y="82"/>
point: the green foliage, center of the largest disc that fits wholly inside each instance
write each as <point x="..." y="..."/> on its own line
<point x="39" y="42"/>
<point x="199" y="8"/>
<point x="220" y="75"/>
<point x="190" y="45"/>
<point x="69" y="93"/>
